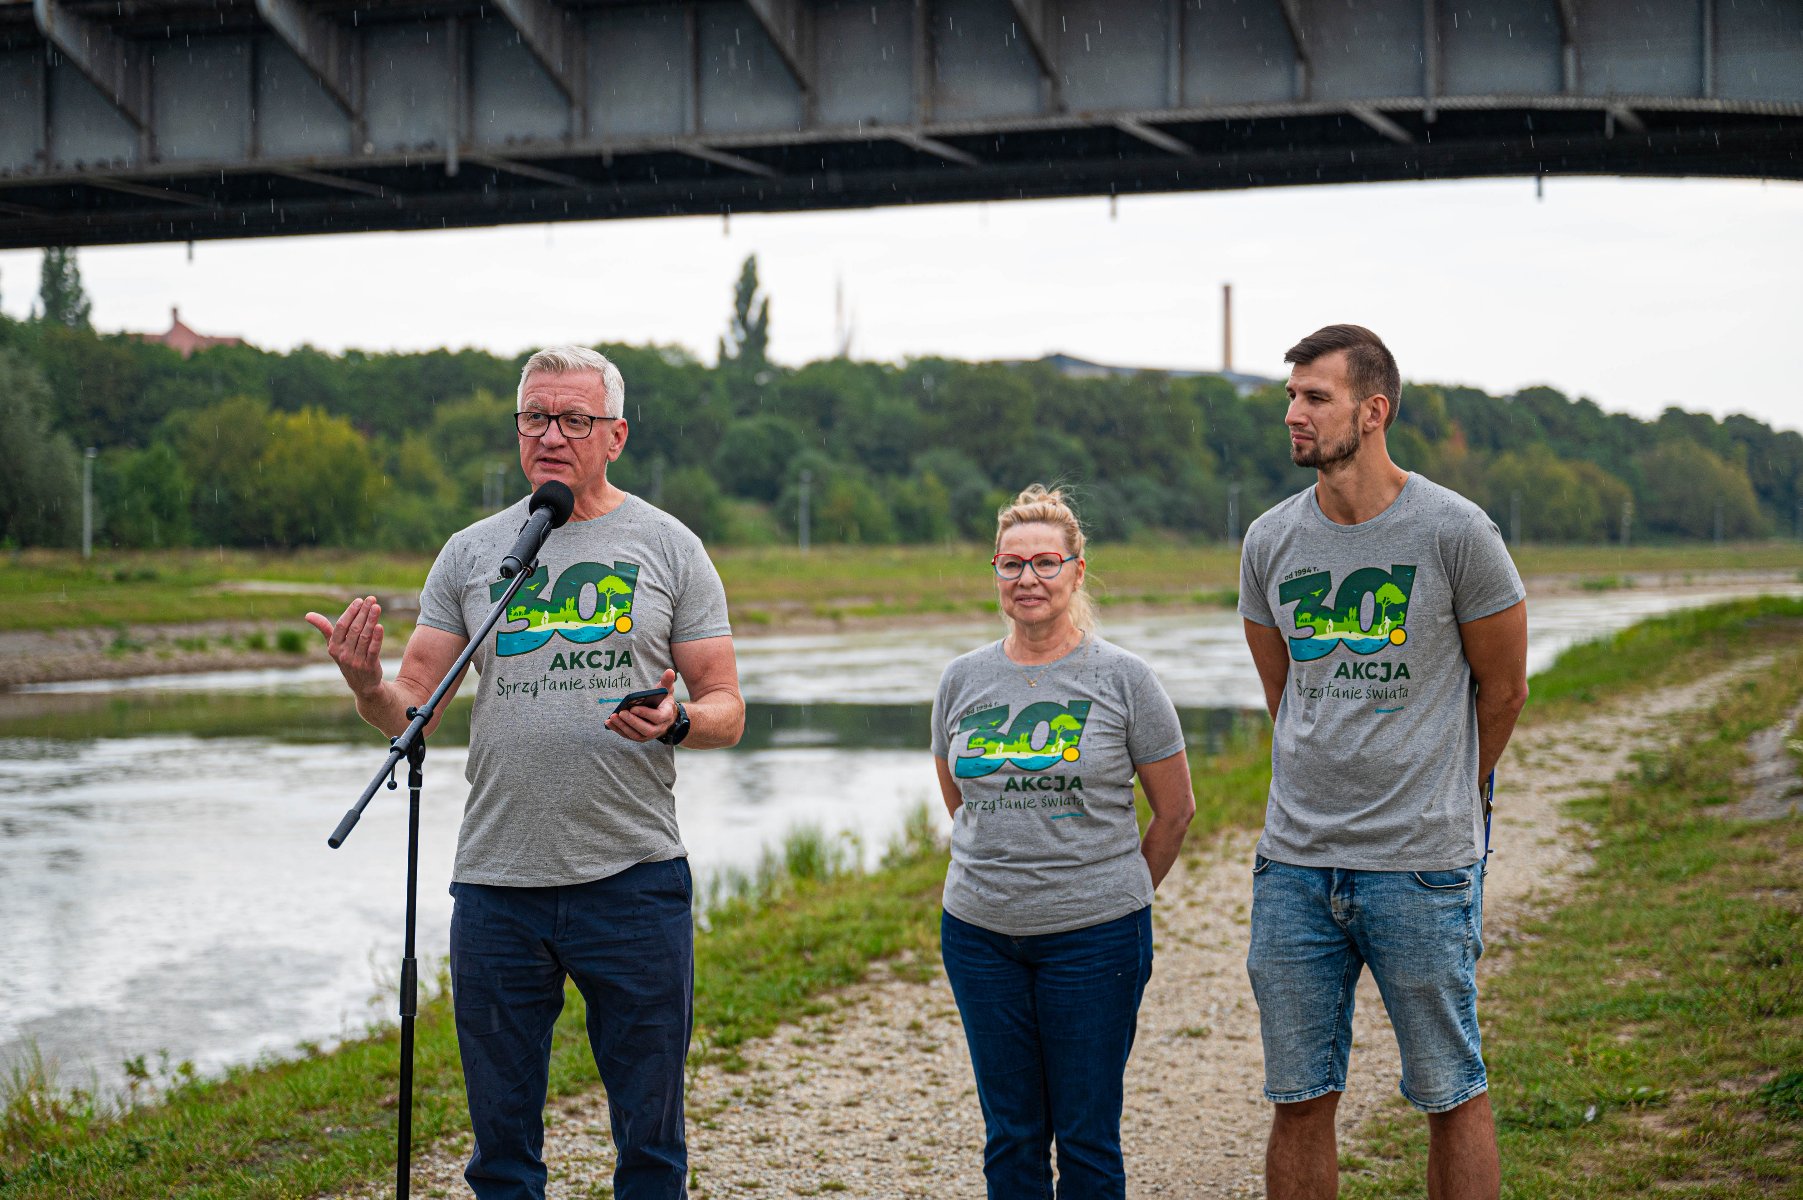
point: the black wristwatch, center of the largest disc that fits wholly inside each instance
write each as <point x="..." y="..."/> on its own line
<point x="678" y="730"/>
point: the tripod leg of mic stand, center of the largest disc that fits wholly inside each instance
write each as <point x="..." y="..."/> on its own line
<point x="414" y="739"/>
<point x="409" y="975"/>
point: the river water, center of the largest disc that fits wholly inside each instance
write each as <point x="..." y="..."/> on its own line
<point x="165" y="886"/>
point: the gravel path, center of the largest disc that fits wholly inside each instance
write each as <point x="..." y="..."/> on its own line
<point x="1770" y="784"/>
<point x="874" y="1099"/>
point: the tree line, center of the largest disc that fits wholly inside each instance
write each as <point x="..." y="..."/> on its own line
<point x="245" y="447"/>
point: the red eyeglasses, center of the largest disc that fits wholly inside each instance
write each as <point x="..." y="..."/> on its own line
<point x="1045" y="563"/>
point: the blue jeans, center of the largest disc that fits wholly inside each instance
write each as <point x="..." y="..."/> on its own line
<point x="1314" y="929"/>
<point x="628" y="943"/>
<point x="1050" y="1021"/>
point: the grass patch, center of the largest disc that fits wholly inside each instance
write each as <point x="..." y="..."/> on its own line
<point x="50" y="589"/>
<point x="1232" y="784"/>
<point x="53" y="590"/>
<point x="1673" y="558"/>
<point x="327" y="1121"/>
<point x="1647" y="1039"/>
<point x="1661" y="650"/>
<point x="123" y="643"/>
<point x="1784" y="1096"/>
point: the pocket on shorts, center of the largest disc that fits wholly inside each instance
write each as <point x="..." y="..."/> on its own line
<point x="1457" y="880"/>
<point x="1259" y="863"/>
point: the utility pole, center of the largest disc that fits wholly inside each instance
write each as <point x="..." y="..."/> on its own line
<point x="494" y="487"/>
<point x="1627" y="519"/>
<point x="87" y="502"/>
<point x="802" y="520"/>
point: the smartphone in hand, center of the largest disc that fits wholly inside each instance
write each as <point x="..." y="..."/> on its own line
<point x="649" y="698"/>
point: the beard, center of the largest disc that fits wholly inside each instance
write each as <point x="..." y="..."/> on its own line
<point x="1325" y="457"/>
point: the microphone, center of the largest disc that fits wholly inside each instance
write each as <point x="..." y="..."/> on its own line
<point x="551" y="506"/>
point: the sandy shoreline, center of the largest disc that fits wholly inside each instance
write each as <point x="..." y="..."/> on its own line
<point x="121" y="652"/>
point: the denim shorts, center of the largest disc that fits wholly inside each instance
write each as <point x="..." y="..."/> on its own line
<point x="1315" y="929"/>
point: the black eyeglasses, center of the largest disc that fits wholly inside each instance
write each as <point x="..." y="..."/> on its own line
<point x="575" y="425"/>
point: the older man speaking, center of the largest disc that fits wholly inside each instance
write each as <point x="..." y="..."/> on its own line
<point x="569" y="862"/>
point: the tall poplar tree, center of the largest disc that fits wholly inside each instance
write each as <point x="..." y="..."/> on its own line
<point x="60" y="291"/>
<point x="747" y="341"/>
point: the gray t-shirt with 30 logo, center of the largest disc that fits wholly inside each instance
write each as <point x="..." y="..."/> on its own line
<point x="555" y="798"/>
<point x="1046" y="840"/>
<point x="1374" y="757"/>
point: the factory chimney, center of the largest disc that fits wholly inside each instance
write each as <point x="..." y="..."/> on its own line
<point x="1226" y="327"/>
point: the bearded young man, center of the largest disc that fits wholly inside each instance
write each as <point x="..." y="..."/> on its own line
<point x="1389" y="628"/>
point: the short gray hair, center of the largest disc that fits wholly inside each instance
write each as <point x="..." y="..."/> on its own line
<point x="570" y="360"/>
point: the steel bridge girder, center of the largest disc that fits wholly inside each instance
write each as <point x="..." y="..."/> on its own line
<point x="484" y="111"/>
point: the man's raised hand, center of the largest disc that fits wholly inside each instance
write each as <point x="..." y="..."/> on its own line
<point x="355" y="643"/>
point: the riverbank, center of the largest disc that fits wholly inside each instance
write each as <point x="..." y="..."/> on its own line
<point x="776" y="967"/>
<point x="810" y="1116"/>
<point x="184" y="612"/>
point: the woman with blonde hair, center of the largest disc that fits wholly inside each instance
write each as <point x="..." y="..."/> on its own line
<point x="1047" y="931"/>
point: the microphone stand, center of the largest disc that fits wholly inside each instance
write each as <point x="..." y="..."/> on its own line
<point x="411" y="745"/>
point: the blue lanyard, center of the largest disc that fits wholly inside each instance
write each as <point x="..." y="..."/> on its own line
<point x="1489" y="798"/>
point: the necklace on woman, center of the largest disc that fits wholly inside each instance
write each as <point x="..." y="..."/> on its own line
<point x="1033" y="680"/>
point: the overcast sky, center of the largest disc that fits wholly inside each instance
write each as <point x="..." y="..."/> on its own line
<point x="1638" y="294"/>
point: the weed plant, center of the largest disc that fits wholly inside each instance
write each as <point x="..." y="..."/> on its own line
<point x="36" y="1110"/>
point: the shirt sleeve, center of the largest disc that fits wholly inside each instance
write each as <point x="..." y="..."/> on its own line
<point x="1484" y="579"/>
<point x="1153" y="731"/>
<point x="441" y="600"/>
<point x="701" y="597"/>
<point x="942" y="741"/>
<point x="1253" y="605"/>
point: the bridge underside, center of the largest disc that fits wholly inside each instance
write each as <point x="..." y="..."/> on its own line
<point x="172" y="120"/>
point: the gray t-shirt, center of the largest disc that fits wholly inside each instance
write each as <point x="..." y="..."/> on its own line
<point x="1374" y="758"/>
<point x="1046" y="839"/>
<point x="555" y="798"/>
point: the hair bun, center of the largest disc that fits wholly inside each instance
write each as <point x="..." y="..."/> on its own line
<point x="1039" y="493"/>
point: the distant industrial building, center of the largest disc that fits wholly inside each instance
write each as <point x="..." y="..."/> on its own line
<point x="1082" y="368"/>
<point x="1244" y="384"/>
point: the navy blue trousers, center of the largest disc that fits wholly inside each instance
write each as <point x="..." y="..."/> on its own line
<point x="628" y="943"/>
<point x="1050" y="1021"/>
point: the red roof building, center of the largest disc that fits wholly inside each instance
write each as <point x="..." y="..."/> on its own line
<point x="183" y="340"/>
